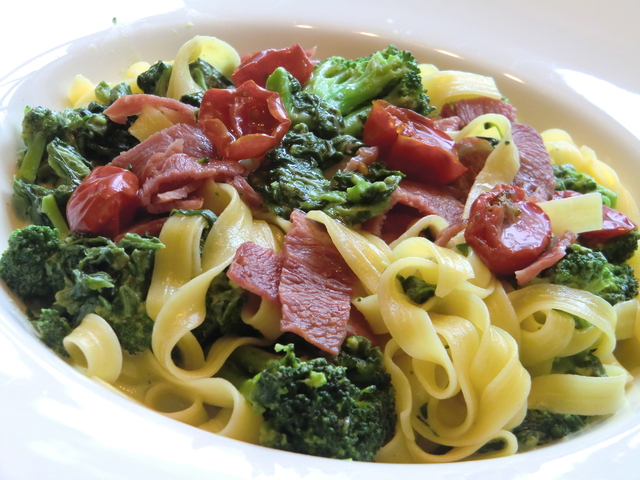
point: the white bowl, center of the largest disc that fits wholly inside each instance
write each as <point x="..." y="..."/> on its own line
<point x="567" y="64"/>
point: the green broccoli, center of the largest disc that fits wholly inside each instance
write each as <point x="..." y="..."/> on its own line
<point x="81" y="275"/>
<point x="224" y="302"/>
<point x="540" y="427"/>
<point x="409" y="93"/>
<point x="28" y="267"/>
<point x="69" y="166"/>
<point x="584" y="269"/>
<point x="356" y="197"/>
<point x="567" y="178"/>
<point x="39" y="126"/>
<point x="292" y="177"/>
<point x="617" y="249"/>
<point x="416" y="288"/>
<point x="91" y="133"/>
<point x="207" y="76"/>
<point x="94" y="135"/>
<point x="30" y="202"/>
<point x="584" y="363"/>
<point x="107" y="95"/>
<point x="155" y="81"/>
<point x="352" y="84"/>
<point x="341" y="407"/>
<point x="322" y="119"/>
<point x="52" y="328"/>
<point x="41" y="205"/>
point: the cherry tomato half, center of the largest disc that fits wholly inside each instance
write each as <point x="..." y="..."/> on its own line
<point x="104" y="203"/>
<point x="243" y="122"/>
<point x="409" y="142"/>
<point x="260" y="65"/>
<point x="507" y="232"/>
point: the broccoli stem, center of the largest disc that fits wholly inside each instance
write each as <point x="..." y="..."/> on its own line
<point x="32" y="158"/>
<point x="280" y="82"/>
<point x="243" y="365"/>
<point x="52" y="211"/>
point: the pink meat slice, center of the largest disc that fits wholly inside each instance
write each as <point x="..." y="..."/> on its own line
<point x="183" y="173"/>
<point x="556" y="251"/>
<point x="257" y="269"/>
<point x="428" y="200"/>
<point x="412" y="201"/>
<point x="180" y="138"/>
<point x="246" y="191"/>
<point x="471" y="108"/>
<point x="129" y="105"/>
<point x="316" y="286"/>
<point x="535" y="175"/>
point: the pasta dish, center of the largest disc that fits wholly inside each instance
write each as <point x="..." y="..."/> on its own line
<point x="366" y="259"/>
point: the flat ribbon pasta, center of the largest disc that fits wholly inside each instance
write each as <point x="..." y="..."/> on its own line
<point x="95" y="349"/>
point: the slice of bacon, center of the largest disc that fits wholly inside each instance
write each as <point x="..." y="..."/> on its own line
<point x="129" y="105"/>
<point x="257" y="269"/>
<point x="556" y="251"/>
<point x="471" y="108"/>
<point x="316" y="286"/>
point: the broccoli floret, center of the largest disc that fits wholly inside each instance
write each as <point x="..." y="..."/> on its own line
<point x="352" y="84"/>
<point x="81" y="275"/>
<point x="322" y="119"/>
<point x="567" y="178"/>
<point x="416" y="288"/>
<point x="91" y="133"/>
<point x="107" y="95"/>
<point x="356" y="197"/>
<point x="41" y="205"/>
<point x="292" y="177"/>
<point x="617" y="249"/>
<point x="26" y="265"/>
<point x="584" y="363"/>
<point x="540" y="427"/>
<point x="69" y="166"/>
<point x="155" y="81"/>
<point x="410" y="93"/>
<point x="224" y="302"/>
<point x="39" y="126"/>
<point x="45" y="206"/>
<point x="584" y="269"/>
<point x="52" y="328"/>
<point x="94" y="135"/>
<point x="207" y="76"/>
<point x="341" y="407"/>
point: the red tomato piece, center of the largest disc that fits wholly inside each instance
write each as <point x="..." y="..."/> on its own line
<point x="614" y="223"/>
<point x="243" y="122"/>
<point x="507" y="232"/>
<point x="260" y="65"/>
<point x="409" y="142"/>
<point x="104" y="203"/>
